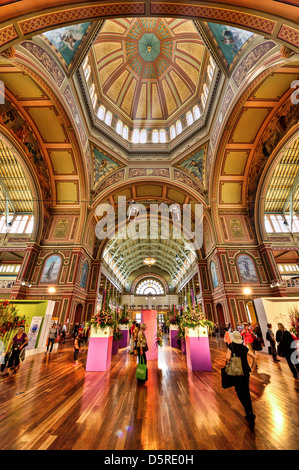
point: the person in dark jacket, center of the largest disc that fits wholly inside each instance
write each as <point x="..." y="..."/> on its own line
<point x="270" y="337"/>
<point x="242" y="382"/>
<point x="287" y="348"/>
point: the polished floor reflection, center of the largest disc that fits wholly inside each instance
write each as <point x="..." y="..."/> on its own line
<point x="50" y="404"/>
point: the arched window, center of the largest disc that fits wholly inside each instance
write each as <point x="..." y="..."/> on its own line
<point x="150" y="286"/>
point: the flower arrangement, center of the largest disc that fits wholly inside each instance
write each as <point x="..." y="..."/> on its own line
<point x="9" y="320"/>
<point x="117" y="334"/>
<point x="159" y="338"/>
<point x="174" y="320"/>
<point x="181" y="333"/>
<point x="193" y="317"/>
<point x="102" y="319"/>
<point x="294" y="318"/>
<point x="124" y="319"/>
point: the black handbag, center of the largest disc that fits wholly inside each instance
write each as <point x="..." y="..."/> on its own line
<point x="227" y="381"/>
<point x="257" y="345"/>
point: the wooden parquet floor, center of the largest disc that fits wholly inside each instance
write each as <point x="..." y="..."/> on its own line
<point x="50" y="404"/>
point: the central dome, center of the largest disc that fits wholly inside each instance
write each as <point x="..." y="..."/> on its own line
<point x="149" y="69"/>
<point x="149" y="47"/>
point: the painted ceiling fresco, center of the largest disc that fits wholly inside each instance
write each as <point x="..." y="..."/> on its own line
<point x="195" y="164"/>
<point x="103" y="165"/>
<point x="148" y="68"/>
<point x="67" y="40"/>
<point x="229" y="40"/>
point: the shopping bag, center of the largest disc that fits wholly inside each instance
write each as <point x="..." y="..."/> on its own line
<point x="141" y="370"/>
<point x="226" y="380"/>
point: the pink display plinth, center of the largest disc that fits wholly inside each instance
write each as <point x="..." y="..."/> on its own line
<point x="198" y="354"/>
<point x="149" y="317"/>
<point x="173" y="339"/>
<point x="124" y="341"/>
<point x="99" y="354"/>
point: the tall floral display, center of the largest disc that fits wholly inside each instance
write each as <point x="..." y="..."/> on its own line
<point x="103" y="318"/>
<point x="197" y="336"/>
<point x="294" y="319"/>
<point x="10" y="321"/>
<point x="101" y="337"/>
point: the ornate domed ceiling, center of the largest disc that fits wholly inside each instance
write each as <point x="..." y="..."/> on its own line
<point x="148" y="69"/>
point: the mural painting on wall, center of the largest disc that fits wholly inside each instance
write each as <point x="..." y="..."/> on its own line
<point x="67" y="40"/>
<point x="195" y="164"/>
<point x="51" y="270"/>
<point x="247" y="269"/>
<point x="229" y="39"/>
<point x="214" y="275"/>
<point x="103" y="165"/>
<point x="84" y="275"/>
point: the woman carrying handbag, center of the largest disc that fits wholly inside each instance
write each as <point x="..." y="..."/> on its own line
<point x="236" y="360"/>
<point x="142" y="348"/>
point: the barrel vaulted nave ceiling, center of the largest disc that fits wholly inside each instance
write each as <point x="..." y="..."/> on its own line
<point x="147" y="72"/>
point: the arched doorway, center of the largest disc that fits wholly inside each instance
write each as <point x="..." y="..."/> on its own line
<point x="78" y="314"/>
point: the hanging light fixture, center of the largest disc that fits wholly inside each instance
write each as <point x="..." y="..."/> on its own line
<point x="149" y="261"/>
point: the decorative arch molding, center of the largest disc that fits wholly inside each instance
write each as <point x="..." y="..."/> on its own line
<point x="64" y="104"/>
<point x="39" y="210"/>
<point x="229" y="126"/>
<point x="107" y="196"/>
<point x="265" y="179"/>
<point x="30" y="22"/>
<point x="151" y="275"/>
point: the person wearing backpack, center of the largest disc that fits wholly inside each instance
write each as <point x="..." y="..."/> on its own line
<point x="236" y="348"/>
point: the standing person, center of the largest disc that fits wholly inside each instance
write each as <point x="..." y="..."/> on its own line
<point x="286" y="348"/>
<point x="248" y="337"/>
<point x="63" y="333"/>
<point x="217" y="332"/>
<point x="58" y="333"/>
<point x="226" y="338"/>
<point x="86" y="330"/>
<point x="258" y="332"/>
<point x="242" y="382"/>
<point x="76" y="329"/>
<point x="135" y="336"/>
<point x="142" y="347"/>
<point x="240" y="327"/>
<point x="132" y="341"/>
<point x="18" y="343"/>
<point x="51" y="338"/>
<point x="271" y="339"/>
<point x="78" y="346"/>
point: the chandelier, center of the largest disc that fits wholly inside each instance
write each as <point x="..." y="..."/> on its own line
<point x="149" y="261"/>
